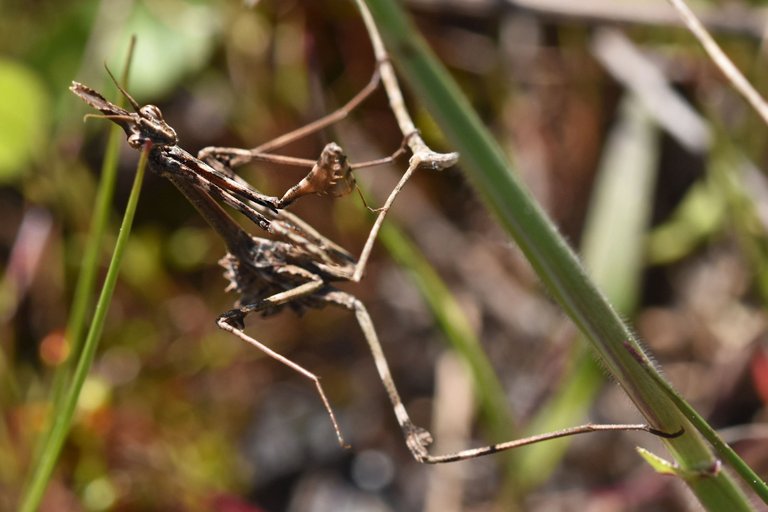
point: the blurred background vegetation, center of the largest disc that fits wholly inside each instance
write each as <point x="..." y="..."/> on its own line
<point x="618" y="123"/>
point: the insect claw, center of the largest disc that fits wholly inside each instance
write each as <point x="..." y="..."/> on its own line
<point x="233" y="318"/>
<point x="666" y="435"/>
<point x="418" y="439"/>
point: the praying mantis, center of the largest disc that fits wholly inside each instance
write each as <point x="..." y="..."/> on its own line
<point x="294" y="267"/>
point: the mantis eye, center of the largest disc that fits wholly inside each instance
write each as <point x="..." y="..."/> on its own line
<point x="136" y="140"/>
<point x="151" y="111"/>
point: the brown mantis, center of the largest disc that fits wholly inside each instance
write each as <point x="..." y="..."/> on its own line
<point x="297" y="267"/>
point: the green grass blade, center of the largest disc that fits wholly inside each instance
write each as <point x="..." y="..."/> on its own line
<point x="613" y="247"/>
<point x="86" y="278"/>
<point x="61" y="423"/>
<point x="547" y="252"/>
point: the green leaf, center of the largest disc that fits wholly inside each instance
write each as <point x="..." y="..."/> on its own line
<point x="612" y="248"/>
<point x="658" y="464"/>
<point x="665" y="467"/>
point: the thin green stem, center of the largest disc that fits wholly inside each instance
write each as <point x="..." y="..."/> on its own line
<point x="613" y="244"/>
<point x="62" y="422"/>
<point x="86" y="278"/>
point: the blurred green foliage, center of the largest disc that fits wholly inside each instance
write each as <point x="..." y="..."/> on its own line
<point x="26" y="118"/>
